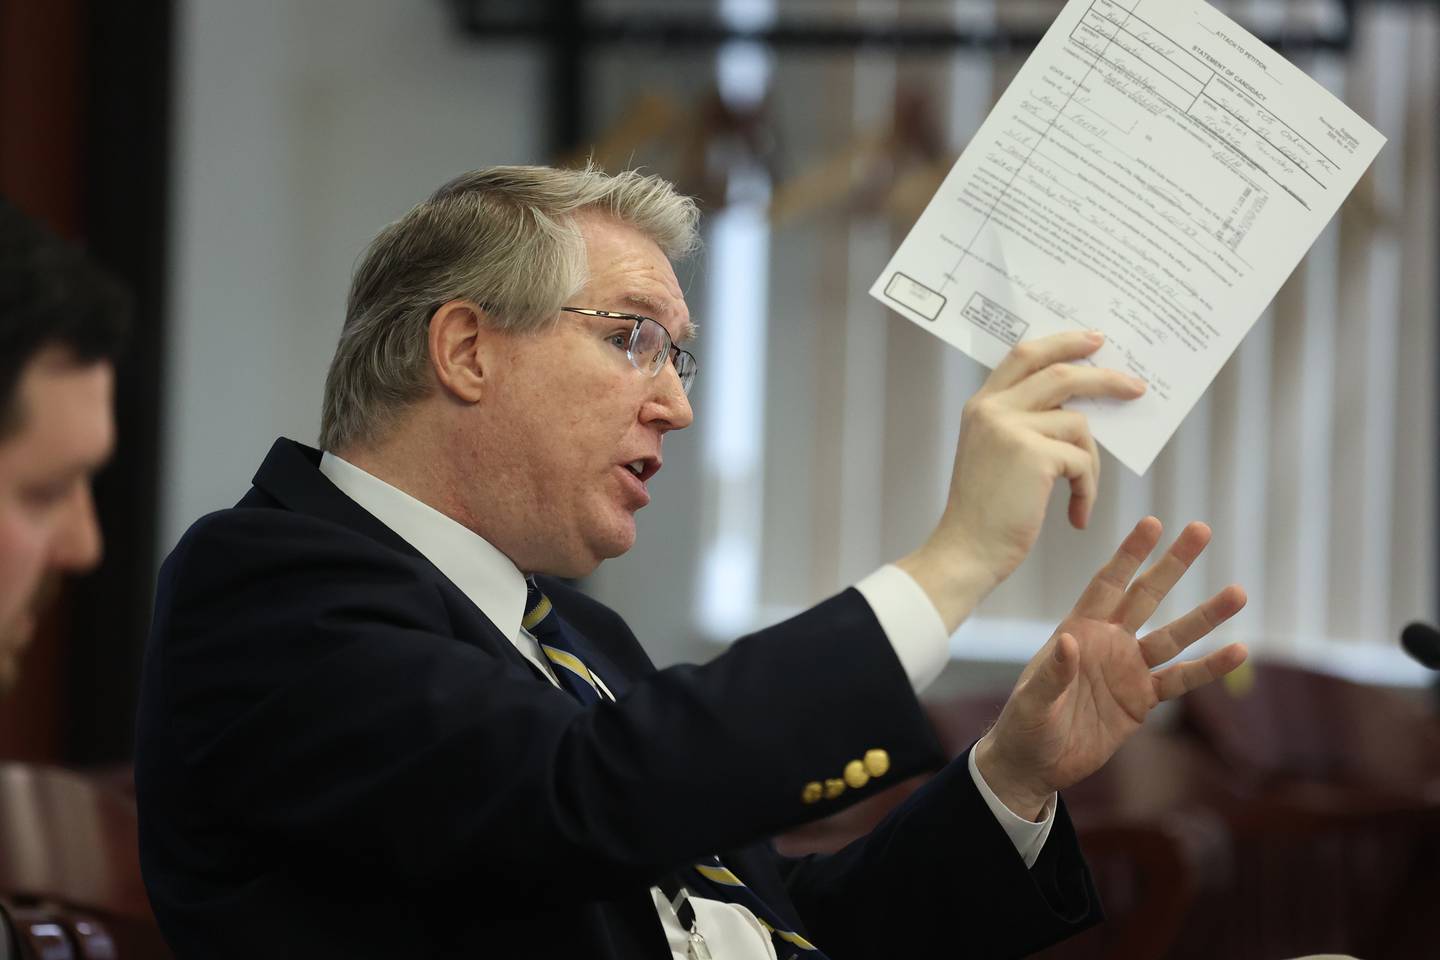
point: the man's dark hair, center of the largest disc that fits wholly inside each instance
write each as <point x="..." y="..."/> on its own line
<point x="51" y="295"/>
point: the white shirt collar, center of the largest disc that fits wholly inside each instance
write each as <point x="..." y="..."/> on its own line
<point x="472" y="563"/>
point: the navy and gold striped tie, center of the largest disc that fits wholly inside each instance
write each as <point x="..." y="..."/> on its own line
<point x="560" y="644"/>
<point x="564" y="647"/>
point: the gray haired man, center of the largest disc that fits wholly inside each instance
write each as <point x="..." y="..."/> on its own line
<point x="374" y="724"/>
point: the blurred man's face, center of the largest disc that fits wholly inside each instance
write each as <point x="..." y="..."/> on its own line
<point x="64" y="433"/>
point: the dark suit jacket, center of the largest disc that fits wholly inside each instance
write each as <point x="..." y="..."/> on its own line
<point x="339" y="756"/>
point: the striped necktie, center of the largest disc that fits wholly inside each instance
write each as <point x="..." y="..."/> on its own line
<point x="560" y="644"/>
<point x="564" y="647"/>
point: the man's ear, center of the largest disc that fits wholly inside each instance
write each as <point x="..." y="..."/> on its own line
<point x="458" y="334"/>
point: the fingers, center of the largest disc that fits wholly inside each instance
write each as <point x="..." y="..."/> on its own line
<point x="1080" y="508"/>
<point x="1167" y="642"/>
<point x="1033" y="355"/>
<point x="1180" y="679"/>
<point x="1154" y="584"/>
<point x="1067" y="426"/>
<point x="1060" y="382"/>
<point x="1056" y="671"/>
<point x="1012" y="448"/>
<point x="1080" y="466"/>
<point x="1073" y="428"/>
<point x="1105" y="591"/>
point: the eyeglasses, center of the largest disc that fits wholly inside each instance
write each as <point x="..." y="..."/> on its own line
<point x="649" y="345"/>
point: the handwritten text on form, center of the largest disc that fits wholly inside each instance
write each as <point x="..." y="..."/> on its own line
<point x="1153" y="172"/>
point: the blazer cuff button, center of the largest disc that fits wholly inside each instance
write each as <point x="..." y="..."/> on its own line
<point x="855" y="774"/>
<point x="877" y="763"/>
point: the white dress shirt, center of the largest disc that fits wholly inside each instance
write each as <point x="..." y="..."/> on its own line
<point x="497" y="587"/>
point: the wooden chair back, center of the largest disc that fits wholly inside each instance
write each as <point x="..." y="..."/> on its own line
<point x="70" y="867"/>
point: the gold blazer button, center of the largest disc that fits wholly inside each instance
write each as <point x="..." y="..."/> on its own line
<point x="855" y="774"/>
<point x="877" y="763"/>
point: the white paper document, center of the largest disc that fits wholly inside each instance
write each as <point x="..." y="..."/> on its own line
<point x="1153" y="172"/>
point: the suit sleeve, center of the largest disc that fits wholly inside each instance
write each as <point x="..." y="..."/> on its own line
<point x="940" y="869"/>
<point x="309" y="688"/>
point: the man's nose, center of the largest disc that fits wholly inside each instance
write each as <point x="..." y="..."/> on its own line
<point x="668" y="405"/>
<point x="78" y="545"/>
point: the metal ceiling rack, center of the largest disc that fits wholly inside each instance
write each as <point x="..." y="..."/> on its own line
<point x="575" y="20"/>
<point x="573" y="28"/>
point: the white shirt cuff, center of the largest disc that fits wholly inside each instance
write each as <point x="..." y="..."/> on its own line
<point x="1027" y="836"/>
<point x="916" y="632"/>
<point x="910" y="621"/>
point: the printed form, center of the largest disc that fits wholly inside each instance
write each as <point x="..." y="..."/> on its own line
<point x="1153" y="172"/>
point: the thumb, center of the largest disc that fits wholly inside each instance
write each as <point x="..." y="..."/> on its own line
<point x="1059" y="664"/>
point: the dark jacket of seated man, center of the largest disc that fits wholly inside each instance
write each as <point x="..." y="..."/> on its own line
<point x="339" y="756"/>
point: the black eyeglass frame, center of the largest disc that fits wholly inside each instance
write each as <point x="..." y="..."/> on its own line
<point x="686" y="366"/>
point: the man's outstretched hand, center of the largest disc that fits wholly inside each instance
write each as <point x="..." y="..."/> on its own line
<point x="1092" y="685"/>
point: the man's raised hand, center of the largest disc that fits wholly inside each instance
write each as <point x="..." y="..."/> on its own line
<point x="1015" y="442"/>
<point x="1092" y="685"/>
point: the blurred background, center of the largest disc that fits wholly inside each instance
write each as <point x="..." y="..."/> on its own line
<point x="232" y="160"/>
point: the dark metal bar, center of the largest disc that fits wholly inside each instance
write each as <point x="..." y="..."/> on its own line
<point x="569" y="53"/>
<point x="821" y="37"/>
<point x="483" y="20"/>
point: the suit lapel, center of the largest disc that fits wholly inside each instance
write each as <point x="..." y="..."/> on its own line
<point x="290" y="474"/>
<point x="472" y="625"/>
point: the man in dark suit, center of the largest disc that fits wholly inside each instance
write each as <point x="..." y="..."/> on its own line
<point x="374" y="725"/>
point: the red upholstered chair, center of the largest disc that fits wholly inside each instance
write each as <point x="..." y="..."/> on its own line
<point x="70" y="868"/>
<point x="1337" y="847"/>
<point x="1276" y="724"/>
